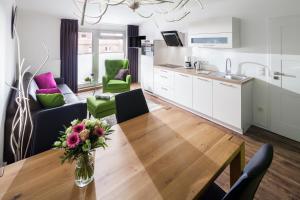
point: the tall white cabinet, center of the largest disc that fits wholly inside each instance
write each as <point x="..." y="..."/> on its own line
<point x="147" y="73"/>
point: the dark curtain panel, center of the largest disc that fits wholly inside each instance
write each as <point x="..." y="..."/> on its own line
<point x="133" y="53"/>
<point x="68" y="52"/>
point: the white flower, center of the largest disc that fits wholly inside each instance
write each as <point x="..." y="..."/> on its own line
<point x="69" y="130"/>
<point x="75" y="122"/>
<point x="104" y="123"/>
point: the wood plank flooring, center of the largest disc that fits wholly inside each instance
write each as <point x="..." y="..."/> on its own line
<point x="282" y="181"/>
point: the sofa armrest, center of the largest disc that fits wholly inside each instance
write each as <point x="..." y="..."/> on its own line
<point x="128" y="79"/>
<point x="59" y="81"/>
<point x="49" y="122"/>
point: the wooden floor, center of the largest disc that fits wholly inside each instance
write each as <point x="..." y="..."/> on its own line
<point x="282" y="181"/>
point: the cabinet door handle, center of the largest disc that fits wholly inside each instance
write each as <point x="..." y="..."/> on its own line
<point x="163" y="88"/>
<point x="288" y="75"/>
<point x="227" y="85"/>
<point x="163" y="71"/>
<point x="183" y="75"/>
<point x="203" y="79"/>
<point x="163" y="76"/>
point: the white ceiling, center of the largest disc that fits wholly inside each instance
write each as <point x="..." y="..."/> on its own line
<point x="213" y="8"/>
<point x="115" y="15"/>
<point x="65" y="9"/>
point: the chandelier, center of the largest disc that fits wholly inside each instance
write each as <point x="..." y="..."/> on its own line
<point x="171" y="10"/>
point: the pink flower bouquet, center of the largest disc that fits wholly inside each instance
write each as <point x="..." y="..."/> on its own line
<point x="79" y="141"/>
<point x="82" y="137"/>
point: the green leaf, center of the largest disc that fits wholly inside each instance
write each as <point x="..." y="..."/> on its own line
<point x="57" y="144"/>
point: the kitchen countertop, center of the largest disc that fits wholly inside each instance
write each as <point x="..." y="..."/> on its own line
<point x="213" y="75"/>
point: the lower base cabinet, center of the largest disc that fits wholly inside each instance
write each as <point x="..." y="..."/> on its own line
<point x="227" y="103"/>
<point x="203" y="95"/>
<point x="183" y="89"/>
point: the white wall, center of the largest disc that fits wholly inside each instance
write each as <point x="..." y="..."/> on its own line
<point x="7" y="63"/>
<point x="251" y="59"/>
<point x="34" y="30"/>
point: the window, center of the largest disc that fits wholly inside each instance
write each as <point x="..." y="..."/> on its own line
<point x="85" y="56"/>
<point x="94" y="47"/>
<point x="111" y="46"/>
<point x="85" y="42"/>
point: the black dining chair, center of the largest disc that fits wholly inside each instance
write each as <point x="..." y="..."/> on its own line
<point x="247" y="184"/>
<point x="130" y="105"/>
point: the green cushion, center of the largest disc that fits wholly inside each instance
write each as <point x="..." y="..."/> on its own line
<point x="51" y="100"/>
<point x="117" y="84"/>
<point x="98" y="106"/>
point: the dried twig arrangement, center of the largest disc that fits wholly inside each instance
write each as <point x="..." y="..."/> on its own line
<point x="22" y="120"/>
<point x="172" y="7"/>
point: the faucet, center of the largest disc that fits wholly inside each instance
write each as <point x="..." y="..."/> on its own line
<point x="228" y="67"/>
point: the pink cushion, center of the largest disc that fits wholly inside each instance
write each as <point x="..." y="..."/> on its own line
<point x="48" y="91"/>
<point x="45" y="81"/>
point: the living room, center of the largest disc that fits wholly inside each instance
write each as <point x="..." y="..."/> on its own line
<point x="191" y="99"/>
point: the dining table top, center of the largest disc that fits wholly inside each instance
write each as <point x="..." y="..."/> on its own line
<point x="165" y="154"/>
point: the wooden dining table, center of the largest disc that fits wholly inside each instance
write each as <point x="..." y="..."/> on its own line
<point x="165" y="154"/>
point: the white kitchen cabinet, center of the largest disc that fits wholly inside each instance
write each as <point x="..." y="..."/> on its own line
<point x="203" y="95"/>
<point x="147" y="73"/>
<point x="164" y="83"/>
<point x="155" y="81"/>
<point x="183" y="89"/>
<point x="227" y="106"/>
<point x="223" y="102"/>
<point x="215" y="33"/>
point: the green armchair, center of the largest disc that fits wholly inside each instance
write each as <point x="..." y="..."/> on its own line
<point x="111" y="69"/>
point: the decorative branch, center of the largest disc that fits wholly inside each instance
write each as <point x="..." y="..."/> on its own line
<point x="23" y="114"/>
<point x="134" y="5"/>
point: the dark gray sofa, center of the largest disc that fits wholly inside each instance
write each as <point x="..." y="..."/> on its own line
<point x="47" y="122"/>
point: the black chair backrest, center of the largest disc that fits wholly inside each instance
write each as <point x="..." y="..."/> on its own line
<point x="247" y="184"/>
<point x="130" y="104"/>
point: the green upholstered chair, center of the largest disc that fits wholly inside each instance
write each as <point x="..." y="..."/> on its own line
<point x="115" y="86"/>
<point x="100" y="108"/>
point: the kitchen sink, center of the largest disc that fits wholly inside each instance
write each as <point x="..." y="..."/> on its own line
<point x="170" y="66"/>
<point x="230" y="76"/>
<point x="234" y="77"/>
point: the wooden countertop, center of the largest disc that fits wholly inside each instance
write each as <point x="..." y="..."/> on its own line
<point x="165" y="154"/>
<point x="192" y="72"/>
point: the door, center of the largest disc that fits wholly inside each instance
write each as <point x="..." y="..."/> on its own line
<point x="202" y="95"/>
<point x="285" y="76"/>
<point x="183" y="89"/>
<point x="227" y="103"/>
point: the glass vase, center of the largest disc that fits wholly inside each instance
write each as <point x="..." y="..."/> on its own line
<point x="84" y="169"/>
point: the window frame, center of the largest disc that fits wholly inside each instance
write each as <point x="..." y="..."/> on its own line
<point x="96" y="35"/>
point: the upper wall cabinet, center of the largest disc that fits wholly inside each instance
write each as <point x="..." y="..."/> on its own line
<point x="215" y="33"/>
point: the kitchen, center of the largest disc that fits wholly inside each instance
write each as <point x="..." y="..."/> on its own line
<point x="232" y="90"/>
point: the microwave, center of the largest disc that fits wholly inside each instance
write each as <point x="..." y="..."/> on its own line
<point x="147" y="47"/>
<point x="212" y="40"/>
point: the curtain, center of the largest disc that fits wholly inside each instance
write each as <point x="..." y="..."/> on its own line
<point x="69" y="52"/>
<point x="133" y="53"/>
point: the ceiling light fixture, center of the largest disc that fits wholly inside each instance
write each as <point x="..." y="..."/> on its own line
<point x="171" y="10"/>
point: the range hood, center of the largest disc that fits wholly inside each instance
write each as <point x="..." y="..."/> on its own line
<point x="173" y="38"/>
